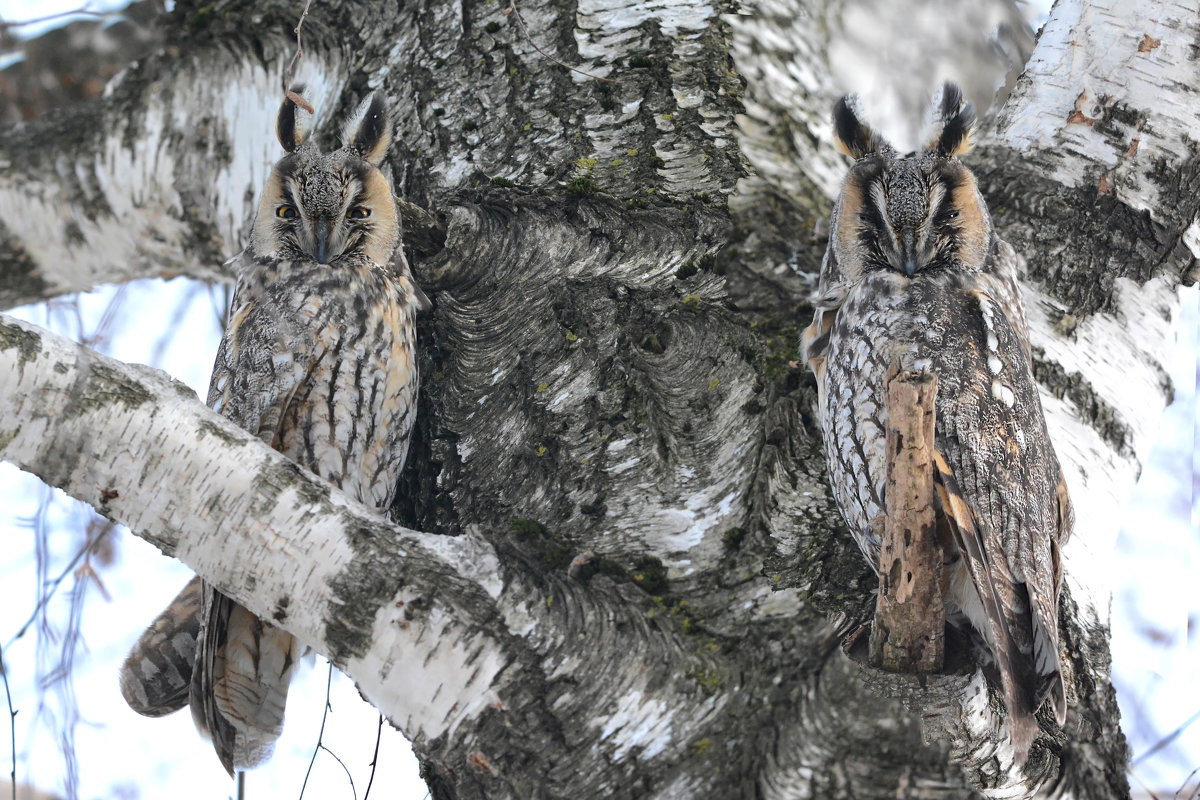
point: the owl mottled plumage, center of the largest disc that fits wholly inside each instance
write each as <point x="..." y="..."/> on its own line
<point x="916" y="274"/>
<point x="318" y="361"/>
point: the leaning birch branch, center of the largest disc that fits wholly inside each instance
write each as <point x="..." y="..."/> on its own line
<point x="440" y="633"/>
<point x="383" y="602"/>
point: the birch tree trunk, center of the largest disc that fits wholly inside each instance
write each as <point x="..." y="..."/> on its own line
<point x="630" y="579"/>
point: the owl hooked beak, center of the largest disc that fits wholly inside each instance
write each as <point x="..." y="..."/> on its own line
<point x="908" y="252"/>
<point x="323" y="228"/>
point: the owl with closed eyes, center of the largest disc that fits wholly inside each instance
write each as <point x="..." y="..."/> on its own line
<point x="916" y="275"/>
<point x="318" y="360"/>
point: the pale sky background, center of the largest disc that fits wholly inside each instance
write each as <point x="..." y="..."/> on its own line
<point x="119" y="755"/>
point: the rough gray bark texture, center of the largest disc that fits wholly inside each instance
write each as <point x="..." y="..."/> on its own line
<point x="611" y="398"/>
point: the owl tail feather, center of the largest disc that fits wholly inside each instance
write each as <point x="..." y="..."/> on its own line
<point x="1014" y="666"/>
<point x="239" y="687"/>
<point x="1046" y="662"/>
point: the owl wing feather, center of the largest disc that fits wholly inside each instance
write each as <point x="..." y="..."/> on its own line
<point x="1000" y="614"/>
<point x="814" y="340"/>
<point x="244" y="665"/>
<point x="1002" y="491"/>
<point x="1002" y="279"/>
<point x="158" y="671"/>
<point x="256" y="373"/>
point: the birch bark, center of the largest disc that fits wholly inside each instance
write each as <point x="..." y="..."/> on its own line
<point x="632" y="581"/>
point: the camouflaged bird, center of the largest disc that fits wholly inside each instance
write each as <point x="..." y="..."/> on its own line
<point x="318" y="361"/>
<point x="916" y="274"/>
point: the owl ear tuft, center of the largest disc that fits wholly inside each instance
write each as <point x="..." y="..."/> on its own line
<point x="370" y="130"/>
<point x="852" y="136"/>
<point x="953" y="120"/>
<point x="291" y="126"/>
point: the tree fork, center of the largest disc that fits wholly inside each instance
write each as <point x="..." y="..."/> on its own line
<point x="908" y="632"/>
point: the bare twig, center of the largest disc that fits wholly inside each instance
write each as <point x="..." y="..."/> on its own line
<point x="320" y="733"/>
<point x="46" y="595"/>
<point x="512" y="9"/>
<point x="375" y="757"/>
<point x="1184" y="793"/>
<point x="287" y="83"/>
<point x="81" y="11"/>
<point x="99" y="336"/>
<point x="12" y="723"/>
<point x="1166" y="740"/>
<point x="353" y="793"/>
<point x="1138" y="778"/>
<point x="176" y="324"/>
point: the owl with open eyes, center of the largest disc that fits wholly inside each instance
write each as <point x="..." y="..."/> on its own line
<point x="915" y="274"/>
<point x="318" y="360"/>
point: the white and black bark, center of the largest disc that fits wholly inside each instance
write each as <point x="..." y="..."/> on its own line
<point x="632" y="581"/>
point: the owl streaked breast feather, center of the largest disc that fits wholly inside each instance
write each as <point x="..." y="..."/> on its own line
<point x="916" y="274"/>
<point x="318" y="361"/>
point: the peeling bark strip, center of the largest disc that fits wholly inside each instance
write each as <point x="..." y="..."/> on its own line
<point x="908" y="633"/>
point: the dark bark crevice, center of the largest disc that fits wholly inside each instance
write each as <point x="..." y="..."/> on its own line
<point x="1092" y="407"/>
<point x="1079" y="241"/>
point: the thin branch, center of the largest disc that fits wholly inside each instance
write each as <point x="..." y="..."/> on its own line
<point x="103" y="330"/>
<point x="81" y="11"/>
<point x="70" y="568"/>
<point x="287" y="84"/>
<point x="12" y="722"/>
<point x="176" y="324"/>
<point x="512" y="9"/>
<point x="320" y="733"/>
<point x="375" y="757"/>
<point x="1166" y="740"/>
<point x="353" y="793"/>
<point x="1143" y="784"/>
<point x="1184" y="788"/>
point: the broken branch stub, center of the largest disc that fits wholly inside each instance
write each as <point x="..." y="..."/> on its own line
<point x="908" y="632"/>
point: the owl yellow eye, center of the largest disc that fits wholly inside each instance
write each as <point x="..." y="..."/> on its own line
<point x="358" y="212"/>
<point x="287" y="212"/>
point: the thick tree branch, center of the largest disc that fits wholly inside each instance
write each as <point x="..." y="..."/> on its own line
<point x="161" y="176"/>
<point x="144" y="451"/>
<point x="907" y="634"/>
<point x="413" y="618"/>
